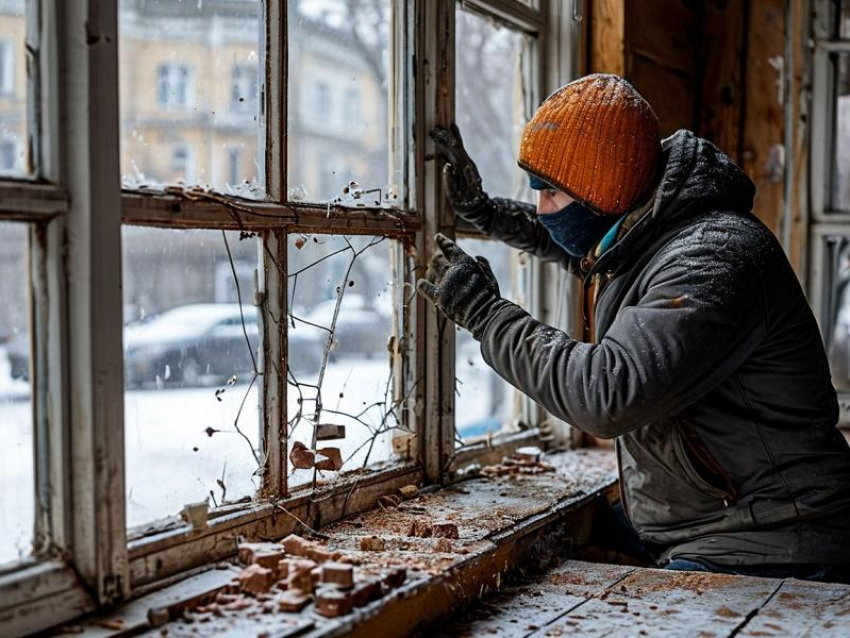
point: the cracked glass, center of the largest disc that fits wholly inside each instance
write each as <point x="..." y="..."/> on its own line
<point x="191" y="368"/>
<point x="15" y="157"/>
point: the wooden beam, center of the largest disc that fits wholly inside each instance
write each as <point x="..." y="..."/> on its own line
<point x="764" y="126"/>
<point x="722" y="52"/>
<point x="607" y="36"/>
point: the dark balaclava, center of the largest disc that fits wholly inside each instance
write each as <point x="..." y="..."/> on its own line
<point x="575" y="228"/>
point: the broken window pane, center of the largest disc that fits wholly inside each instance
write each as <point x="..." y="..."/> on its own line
<point x="190" y="76"/>
<point x="492" y="87"/>
<point x="484" y="402"/>
<point x="17" y="475"/>
<point x="14" y="147"/>
<point x="192" y="419"/>
<point x="342" y="298"/>
<point x="339" y="102"/>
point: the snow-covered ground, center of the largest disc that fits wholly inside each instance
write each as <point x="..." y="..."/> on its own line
<point x="172" y="460"/>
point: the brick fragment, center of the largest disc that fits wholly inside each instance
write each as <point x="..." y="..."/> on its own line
<point x="365" y="591"/>
<point x="373" y="544"/>
<point x="294" y="545"/>
<point x="329" y="432"/>
<point x="338" y="574"/>
<point x="332" y="602"/>
<point x="395" y="577"/>
<point x="255" y="579"/>
<point x="409" y="491"/>
<point x="332" y="461"/>
<point x="301" y="457"/>
<point x="293" y="601"/>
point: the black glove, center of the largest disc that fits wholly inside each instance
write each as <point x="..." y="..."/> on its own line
<point x="460" y="175"/>
<point x="465" y="289"/>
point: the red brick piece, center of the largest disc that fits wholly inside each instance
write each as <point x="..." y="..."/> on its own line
<point x="365" y="591"/>
<point x="395" y="577"/>
<point x="331" y="460"/>
<point x="297" y="546"/>
<point x="373" y="544"/>
<point x="332" y="602"/>
<point x="301" y="456"/>
<point x="255" y="579"/>
<point x="338" y="574"/>
<point x="293" y="601"/>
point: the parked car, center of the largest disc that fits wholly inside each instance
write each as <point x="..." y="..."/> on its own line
<point x="362" y="328"/>
<point x="201" y="344"/>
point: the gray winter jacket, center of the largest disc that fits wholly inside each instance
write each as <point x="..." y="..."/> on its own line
<point x="708" y="368"/>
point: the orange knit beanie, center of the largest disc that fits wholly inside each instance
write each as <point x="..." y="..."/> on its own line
<point x="597" y="140"/>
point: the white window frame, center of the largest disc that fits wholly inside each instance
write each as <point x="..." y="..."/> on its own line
<point x="75" y="192"/>
<point x="823" y="221"/>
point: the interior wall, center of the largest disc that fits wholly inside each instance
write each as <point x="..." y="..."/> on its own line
<point x="712" y="66"/>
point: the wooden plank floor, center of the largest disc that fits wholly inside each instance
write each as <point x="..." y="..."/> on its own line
<point x="590" y="599"/>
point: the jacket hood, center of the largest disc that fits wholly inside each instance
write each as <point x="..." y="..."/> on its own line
<point x="697" y="177"/>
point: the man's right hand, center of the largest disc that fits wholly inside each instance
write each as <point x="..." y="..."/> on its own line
<point x="460" y="175"/>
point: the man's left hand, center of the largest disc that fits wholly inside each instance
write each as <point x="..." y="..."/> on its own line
<point x="463" y="288"/>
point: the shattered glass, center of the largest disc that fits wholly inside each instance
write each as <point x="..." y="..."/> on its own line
<point x="339" y="104"/>
<point x="17" y="472"/>
<point x="342" y="300"/>
<point x="14" y="130"/>
<point x="192" y="416"/>
<point x="191" y="85"/>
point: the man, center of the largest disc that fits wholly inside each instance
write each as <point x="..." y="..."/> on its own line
<point x="700" y="355"/>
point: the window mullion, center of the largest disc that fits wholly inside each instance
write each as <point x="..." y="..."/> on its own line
<point x="90" y="158"/>
<point x="275" y="104"/>
<point x="274" y="324"/>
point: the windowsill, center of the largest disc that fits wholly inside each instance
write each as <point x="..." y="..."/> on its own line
<point x="501" y="521"/>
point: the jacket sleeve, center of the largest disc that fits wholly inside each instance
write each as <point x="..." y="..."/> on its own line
<point x="515" y="223"/>
<point x="699" y="315"/>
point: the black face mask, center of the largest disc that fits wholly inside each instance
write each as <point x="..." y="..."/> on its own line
<point x="576" y="228"/>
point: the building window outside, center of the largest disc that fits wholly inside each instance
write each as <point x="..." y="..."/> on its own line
<point x="323" y="102"/>
<point x="7" y="67"/>
<point x="8" y="151"/>
<point x="244" y="88"/>
<point x="353" y="109"/>
<point x="182" y="164"/>
<point x="233" y="165"/>
<point x="174" y="85"/>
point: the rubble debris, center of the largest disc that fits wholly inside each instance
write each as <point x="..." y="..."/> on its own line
<point x="408" y="492"/>
<point x="518" y="465"/>
<point x="444" y="546"/>
<point x="425" y="529"/>
<point x="389" y="500"/>
<point x="332" y="461"/>
<point x="395" y="577"/>
<point x="255" y="580"/>
<point x="339" y="574"/>
<point x="332" y="602"/>
<point x="158" y="616"/>
<point x="365" y="591"/>
<point x="373" y="544"/>
<point x="301" y="457"/>
<point x="112" y="623"/>
<point x="289" y="566"/>
<point x="292" y="601"/>
<point x="294" y="545"/>
<point x="266" y="555"/>
<point x="329" y="432"/>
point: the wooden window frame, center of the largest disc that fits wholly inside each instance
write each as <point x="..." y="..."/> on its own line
<point x="76" y="208"/>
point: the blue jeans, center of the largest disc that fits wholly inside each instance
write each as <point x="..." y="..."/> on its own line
<point x="821" y="573"/>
